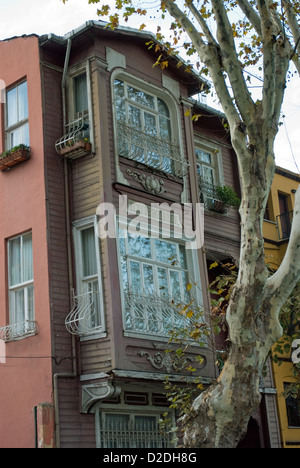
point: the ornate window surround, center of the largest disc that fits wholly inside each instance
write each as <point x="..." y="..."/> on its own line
<point x="194" y="276"/>
<point x="166" y="96"/>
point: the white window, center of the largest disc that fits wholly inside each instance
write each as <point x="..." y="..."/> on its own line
<point x="145" y="130"/>
<point x="155" y="274"/>
<point x="80" y="94"/>
<point x="20" y="276"/>
<point x="17" y="126"/>
<point x="87" y="313"/>
<point x="209" y="171"/>
<point x="130" y="430"/>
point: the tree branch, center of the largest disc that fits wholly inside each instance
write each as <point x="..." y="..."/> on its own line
<point x="251" y="14"/>
<point x="209" y="55"/>
<point x="231" y="62"/>
<point x="295" y="29"/>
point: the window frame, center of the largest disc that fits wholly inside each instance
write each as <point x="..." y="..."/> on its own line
<point x="193" y="269"/>
<point x="78" y="227"/>
<point x="9" y="129"/>
<point x="29" y="316"/>
<point x="216" y="155"/>
<point x="171" y="103"/>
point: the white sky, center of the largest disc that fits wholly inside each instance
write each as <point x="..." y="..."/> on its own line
<point x="19" y="17"/>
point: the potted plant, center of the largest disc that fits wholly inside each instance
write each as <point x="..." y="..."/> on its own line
<point x="75" y="149"/>
<point x="14" y="156"/>
<point x="223" y="198"/>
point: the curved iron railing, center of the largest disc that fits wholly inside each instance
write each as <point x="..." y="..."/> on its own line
<point x="150" y="150"/>
<point x="18" y="330"/>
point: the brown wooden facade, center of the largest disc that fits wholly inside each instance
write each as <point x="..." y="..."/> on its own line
<point x="116" y="368"/>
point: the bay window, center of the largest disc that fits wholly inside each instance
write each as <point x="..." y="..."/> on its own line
<point x="145" y="131"/>
<point x="155" y="274"/>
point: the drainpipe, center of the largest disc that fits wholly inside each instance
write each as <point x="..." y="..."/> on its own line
<point x="69" y="253"/>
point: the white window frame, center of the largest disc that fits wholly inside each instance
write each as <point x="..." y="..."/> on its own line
<point x="193" y="270"/>
<point x="164" y="95"/>
<point x="216" y="156"/>
<point x="20" y="124"/>
<point x="78" y="227"/>
<point x="29" y="316"/>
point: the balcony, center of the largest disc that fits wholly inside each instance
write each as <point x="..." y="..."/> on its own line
<point x="284" y="224"/>
<point x="75" y="142"/>
<point x="151" y="151"/>
<point x="18" y="330"/>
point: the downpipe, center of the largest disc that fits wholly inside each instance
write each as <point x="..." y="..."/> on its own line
<point x="73" y="373"/>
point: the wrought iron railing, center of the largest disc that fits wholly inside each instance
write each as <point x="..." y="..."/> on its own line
<point x="209" y="196"/>
<point x="82" y="318"/>
<point x="18" y="330"/>
<point x="284" y="224"/>
<point x="76" y="130"/>
<point x="155" y="315"/>
<point x="129" y="434"/>
<point x="150" y="150"/>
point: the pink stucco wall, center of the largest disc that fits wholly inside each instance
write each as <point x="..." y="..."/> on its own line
<point x="25" y="370"/>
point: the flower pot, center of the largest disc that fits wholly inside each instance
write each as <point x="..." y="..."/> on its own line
<point x="215" y="205"/>
<point x="14" y="158"/>
<point x="76" y="150"/>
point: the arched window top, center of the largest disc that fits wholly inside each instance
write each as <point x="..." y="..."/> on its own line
<point x="146" y="124"/>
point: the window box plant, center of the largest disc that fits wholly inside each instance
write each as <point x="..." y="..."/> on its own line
<point x="14" y="156"/>
<point x="75" y="149"/>
<point x="221" y="199"/>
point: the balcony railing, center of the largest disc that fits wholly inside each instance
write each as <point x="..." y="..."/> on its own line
<point x="76" y="131"/>
<point x="210" y="198"/>
<point x="18" y="330"/>
<point x="153" y="315"/>
<point x="82" y="318"/>
<point x="284" y="224"/>
<point x="151" y="151"/>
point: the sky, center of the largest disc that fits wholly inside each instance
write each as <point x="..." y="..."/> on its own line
<point x="18" y="17"/>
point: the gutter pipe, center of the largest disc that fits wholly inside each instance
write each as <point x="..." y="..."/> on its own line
<point x="73" y="373"/>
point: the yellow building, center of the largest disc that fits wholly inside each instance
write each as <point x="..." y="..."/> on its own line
<point x="276" y="228"/>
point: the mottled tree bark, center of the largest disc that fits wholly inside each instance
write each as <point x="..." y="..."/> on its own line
<point x="220" y="415"/>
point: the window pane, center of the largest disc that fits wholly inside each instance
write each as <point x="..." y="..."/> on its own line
<point x="15" y="261"/>
<point x="12" y="107"/>
<point x="19" y="314"/>
<point x="150" y="124"/>
<point x="139" y="246"/>
<point x="163" y="281"/>
<point x="27" y="258"/>
<point x="81" y="98"/>
<point x="148" y="279"/>
<point x="175" y="284"/>
<point x="165" y="128"/>
<point x="203" y="156"/>
<point x="22" y="101"/>
<point x="163" y="108"/>
<point x="135" y="275"/>
<point x="208" y="175"/>
<point x="141" y="97"/>
<point x="165" y="252"/>
<point x="89" y="252"/>
<point x="30" y="304"/>
<point x="134" y="117"/>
